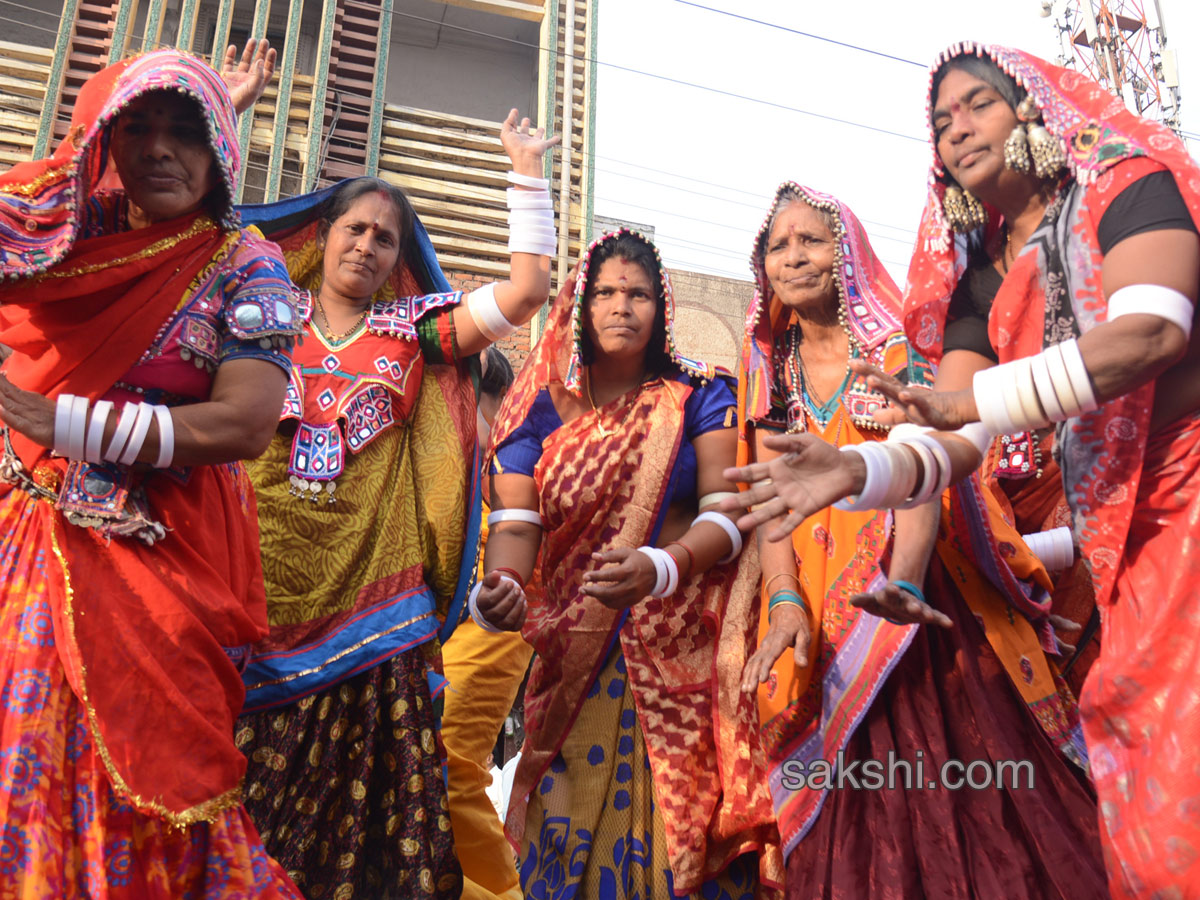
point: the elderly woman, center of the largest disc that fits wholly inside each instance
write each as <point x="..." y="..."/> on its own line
<point x="640" y="772"/>
<point x="960" y="678"/>
<point x="1067" y="225"/>
<point x="369" y="511"/>
<point x="145" y="363"/>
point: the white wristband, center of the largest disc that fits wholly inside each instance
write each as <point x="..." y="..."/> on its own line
<point x="731" y="530"/>
<point x="941" y="455"/>
<point x="515" y="515"/>
<point x="541" y="217"/>
<point x="518" y="199"/>
<point x="1039" y="368"/>
<point x="988" y="387"/>
<point x="1081" y="382"/>
<point x="977" y="434"/>
<point x="121" y="434"/>
<point x="93" y="451"/>
<point x="1153" y="300"/>
<point x="166" y="436"/>
<point x="905" y="430"/>
<point x="1060" y="381"/>
<point x="473" y="606"/>
<point x="62" y="422"/>
<point x="929" y="476"/>
<point x="141" y="427"/>
<point x="77" y="428"/>
<point x="714" y="497"/>
<point x="486" y="313"/>
<point x="538" y="184"/>
<point x="1055" y="548"/>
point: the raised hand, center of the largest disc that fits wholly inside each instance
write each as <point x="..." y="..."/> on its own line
<point x="501" y="602"/>
<point x="945" y="411"/>
<point x="27" y="412"/>
<point x="893" y="602"/>
<point x="627" y="577"/>
<point x="248" y="78"/>
<point x="525" y="148"/>
<point x="789" y="626"/>
<point x="809" y="476"/>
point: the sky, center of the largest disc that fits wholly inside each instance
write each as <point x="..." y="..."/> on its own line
<point x="701" y="167"/>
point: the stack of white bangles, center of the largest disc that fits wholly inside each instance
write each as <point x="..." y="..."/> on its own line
<point x="668" y="570"/>
<point x="75" y="437"/>
<point x="892" y="471"/>
<point x="530" y="230"/>
<point x="1054" y="548"/>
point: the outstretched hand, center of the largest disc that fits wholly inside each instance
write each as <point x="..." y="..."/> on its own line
<point x="944" y="411"/>
<point x="249" y="77"/>
<point x="525" y="147"/>
<point x="809" y="476"/>
<point x="895" y="603"/>
<point x="789" y="626"/>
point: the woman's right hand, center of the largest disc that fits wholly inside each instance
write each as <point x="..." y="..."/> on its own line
<point x="789" y="627"/>
<point x="502" y="602"/>
<point x="809" y="476"/>
<point x="525" y="150"/>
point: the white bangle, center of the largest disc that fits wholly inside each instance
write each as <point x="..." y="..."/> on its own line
<point x="543" y="218"/>
<point x="487" y="315"/>
<point x="666" y="571"/>
<point x="121" y="433"/>
<point x="518" y="199"/>
<point x="1153" y="300"/>
<point x="731" y="530"/>
<point x="977" y="434"/>
<point x="941" y="455"/>
<point x="987" y="386"/>
<point x="1060" y="381"/>
<point x="1033" y="415"/>
<point x="141" y="427"/>
<point x="529" y="181"/>
<point x="1055" y="548"/>
<point x="473" y="606"/>
<point x="532" y="516"/>
<point x="1039" y="368"/>
<point x="905" y="430"/>
<point x="62" y="422"/>
<point x="93" y="451"/>
<point x="714" y="497"/>
<point x="166" y="436"/>
<point x="929" y="476"/>
<point x="77" y="429"/>
<point x="1081" y="382"/>
<point x="874" y="488"/>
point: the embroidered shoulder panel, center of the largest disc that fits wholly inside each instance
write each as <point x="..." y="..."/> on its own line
<point x="399" y="317"/>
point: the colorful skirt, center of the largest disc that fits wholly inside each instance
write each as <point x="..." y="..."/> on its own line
<point x="347" y="787"/>
<point x="64" y="832"/>
<point x="1141" y="702"/>
<point x="950" y="698"/>
<point x="593" y="828"/>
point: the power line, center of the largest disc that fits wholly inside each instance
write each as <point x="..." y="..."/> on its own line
<point x="807" y="34"/>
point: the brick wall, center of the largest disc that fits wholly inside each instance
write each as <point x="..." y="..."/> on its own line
<point x="516" y="345"/>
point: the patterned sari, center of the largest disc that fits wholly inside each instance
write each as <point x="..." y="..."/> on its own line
<point x="873" y="688"/>
<point x="129" y="594"/>
<point x="1133" y="495"/>
<point x="368" y="501"/>
<point x="640" y="775"/>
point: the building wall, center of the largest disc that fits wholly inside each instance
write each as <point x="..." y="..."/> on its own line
<point x="31" y="22"/>
<point x="710" y="313"/>
<point x="433" y="63"/>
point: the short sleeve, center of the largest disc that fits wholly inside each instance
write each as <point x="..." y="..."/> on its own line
<point x="259" y="312"/>
<point x="436" y="338"/>
<point x="710" y="407"/>
<point x="1151" y="203"/>
<point x="521" y="450"/>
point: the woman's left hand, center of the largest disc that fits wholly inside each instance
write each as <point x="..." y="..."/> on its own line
<point x="248" y="78"/>
<point x="524" y="149"/>
<point x="942" y="410"/>
<point x="627" y="577"/>
<point x="29" y="413"/>
<point x="789" y="627"/>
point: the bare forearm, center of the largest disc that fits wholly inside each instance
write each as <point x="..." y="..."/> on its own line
<point x="512" y="545"/>
<point x="915" y="537"/>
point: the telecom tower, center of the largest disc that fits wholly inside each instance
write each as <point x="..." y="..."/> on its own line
<point x="1122" y="45"/>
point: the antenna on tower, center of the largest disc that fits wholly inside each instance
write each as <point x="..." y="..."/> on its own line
<point x="1123" y="45"/>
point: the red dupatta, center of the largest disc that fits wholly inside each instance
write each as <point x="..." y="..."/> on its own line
<point x="683" y="655"/>
<point x="140" y="630"/>
<point x="1099" y="135"/>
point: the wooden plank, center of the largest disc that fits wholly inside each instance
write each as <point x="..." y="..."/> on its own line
<point x="152" y="37"/>
<point x="380" y="90"/>
<point x="394" y="128"/>
<point x="54" y="81"/>
<point x="20" y="87"/>
<point x="283" y="101"/>
<point x="427" y="150"/>
<point x="317" y="91"/>
<point x="415" y="114"/>
<point x="446" y="171"/>
<point x="452" y="262"/>
<point x="257" y="30"/>
<point x="416" y="185"/>
<point x="42" y="56"/>
<point x="514" y="9"/>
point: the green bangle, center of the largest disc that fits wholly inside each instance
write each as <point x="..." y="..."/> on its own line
<point x="786" y="598"/>
<point x="911" y="588"/>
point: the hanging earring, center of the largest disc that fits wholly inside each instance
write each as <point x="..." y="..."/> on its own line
<point x="963" y="211"/>
<point x="1045" y="149"/>
<point x="1016" y="151"/>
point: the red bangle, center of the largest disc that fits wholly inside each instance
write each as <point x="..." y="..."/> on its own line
<point x="688" y="551"/>
<point x="512" y="573"/>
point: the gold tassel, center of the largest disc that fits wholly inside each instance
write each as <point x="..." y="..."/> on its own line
<point x="963" y="211"/>
<point x="1047" y="152"/>
<point x="1016" y="151"/>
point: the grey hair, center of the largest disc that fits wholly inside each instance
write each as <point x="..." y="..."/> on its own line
<point x="789" y="196"/>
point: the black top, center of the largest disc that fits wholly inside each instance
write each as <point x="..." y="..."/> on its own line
<point x="1152" y="203"/>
